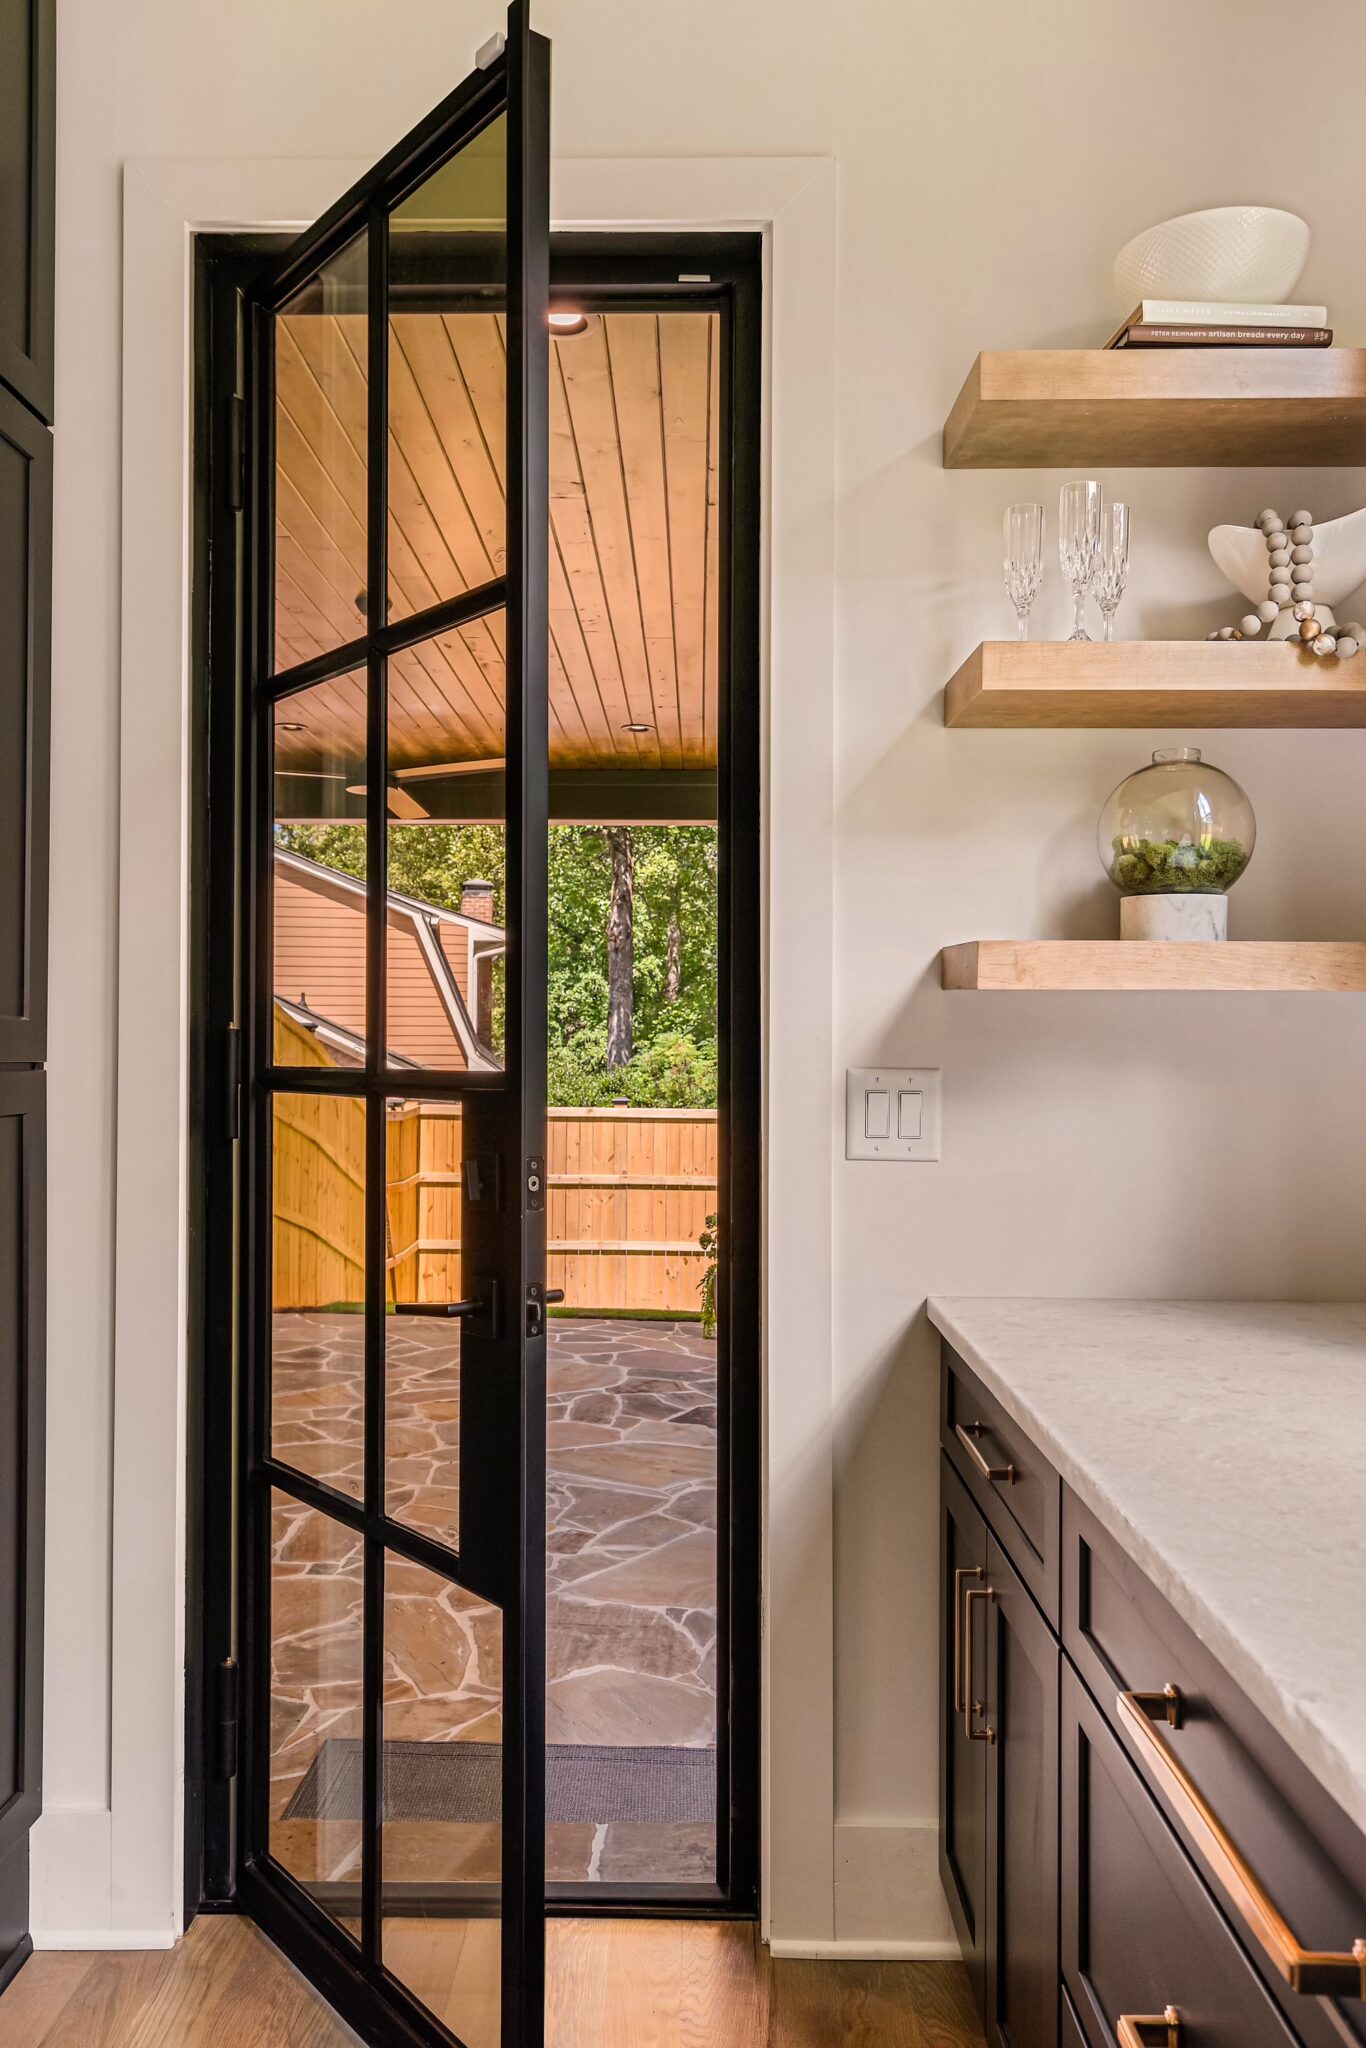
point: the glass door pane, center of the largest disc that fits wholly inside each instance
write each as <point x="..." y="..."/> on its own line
<point x="447" y="850"/>
<point x="422" y="1347"/>
<point x="317" y="1289"/>
<point x="321" y="466"/>
<point x="316" y="1647"/>
<point x="448" y="378"/>
<point x="443" y="1798"/>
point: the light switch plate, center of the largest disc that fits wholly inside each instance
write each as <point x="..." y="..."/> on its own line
<point x="891" y="1113"/>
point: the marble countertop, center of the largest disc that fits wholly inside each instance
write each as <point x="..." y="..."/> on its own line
<point x="1223" y="1445"/>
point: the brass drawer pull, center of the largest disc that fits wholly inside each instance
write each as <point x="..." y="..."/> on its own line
<point x="971" y="1707"/>
<point x="1320" y="1973"/>
<point x="966" y="1571"/>
<point x="967" y="1436"/>
<point x="1133" y="2026"/>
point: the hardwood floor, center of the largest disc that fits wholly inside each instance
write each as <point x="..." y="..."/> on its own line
<point x="613" y="1984"/>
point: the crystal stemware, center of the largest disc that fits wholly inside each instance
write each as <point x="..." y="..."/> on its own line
<point x="1079" y="510"/>
<point x="1023" y="559"/>
<point x="1113" y="571"/>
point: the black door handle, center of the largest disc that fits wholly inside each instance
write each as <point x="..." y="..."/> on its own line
<point x="537" y="1299"/>
<point x="437" y="1308"/>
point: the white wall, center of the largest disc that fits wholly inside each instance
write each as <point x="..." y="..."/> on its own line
<point x="991" y="159"/>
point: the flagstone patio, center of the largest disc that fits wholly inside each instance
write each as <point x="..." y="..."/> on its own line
<point x="631" y="1623"/>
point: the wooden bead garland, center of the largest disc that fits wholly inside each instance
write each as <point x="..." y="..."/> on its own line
<point x="1290" y="586"/>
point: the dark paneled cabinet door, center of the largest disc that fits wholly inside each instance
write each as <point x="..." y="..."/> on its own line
<point x="1021" y="1718"/>
<point x="27" y="119"/>
<point x="1140" y="1931"/>
<point x="25" y="608"/>
<point x="22" y="1207"/>
<point x="962" y="1757"/>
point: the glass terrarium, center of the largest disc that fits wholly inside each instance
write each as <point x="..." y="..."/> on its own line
<point x="1179" y="827"/>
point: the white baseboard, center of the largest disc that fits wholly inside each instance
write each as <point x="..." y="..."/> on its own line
<point x="102" y="1939"/>
<point x="73" y="1893"/>
<point x="854" y="1951"/>
<point x="889" y="1902"/>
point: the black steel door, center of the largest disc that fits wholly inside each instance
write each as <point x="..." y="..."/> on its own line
<point x="391" y="1613"/>
<point x="27" y="242"/>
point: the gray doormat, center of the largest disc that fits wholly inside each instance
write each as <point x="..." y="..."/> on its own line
<point x="462" y="1781"/>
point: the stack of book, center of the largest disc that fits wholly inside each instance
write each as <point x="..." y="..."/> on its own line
<point x="1213" y="323"/>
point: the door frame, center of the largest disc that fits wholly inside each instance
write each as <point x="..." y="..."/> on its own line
<point x="602" y="272"/>
<point x="113" y="1876"/>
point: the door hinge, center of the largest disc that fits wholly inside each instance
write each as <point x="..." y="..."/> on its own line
<point x="225" y="1720"/>
<point x="236" y="462"/>
<point x="232" y="1083"/>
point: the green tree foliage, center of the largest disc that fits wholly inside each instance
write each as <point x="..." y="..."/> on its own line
<point x="674" y="1064"/>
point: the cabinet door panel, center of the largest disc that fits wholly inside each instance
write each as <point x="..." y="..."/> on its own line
<point x="1140" y="1932"/>
<point x="25" y="608"/>
<point x="1122" y="1637"/>
<point x="21" y="1484"/>
<point x="1022" y="1815"/>
<point x="962" y="1762"/>
<point x="27" y="160"/>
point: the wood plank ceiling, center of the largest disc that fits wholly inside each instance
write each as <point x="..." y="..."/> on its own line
<point x="633" y="544"/>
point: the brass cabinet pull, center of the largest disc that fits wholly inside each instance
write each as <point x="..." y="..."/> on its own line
<point x="1317" y="1972"/>
<point x="972" y="1707"/>
<point x="1133" y="2026"/>
<point x="966" y="1571"/>
<point x="967" y="1437"/>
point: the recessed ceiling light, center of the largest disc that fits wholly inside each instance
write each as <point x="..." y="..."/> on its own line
<point x="635" y="725"/>
<point x="294" y="728"/>
<point x="567" y="320"/>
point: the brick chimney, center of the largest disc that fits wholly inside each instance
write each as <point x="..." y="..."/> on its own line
<point x="476" y="900"/>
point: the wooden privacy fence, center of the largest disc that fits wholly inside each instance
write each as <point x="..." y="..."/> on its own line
<point x="629" y="1193"/>
<point x="318" y="1185"/>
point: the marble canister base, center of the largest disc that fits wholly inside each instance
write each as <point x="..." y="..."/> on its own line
<point x="1173" y="917"/>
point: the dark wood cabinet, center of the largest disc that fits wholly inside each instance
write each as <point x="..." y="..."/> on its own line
<point x="22" y="1223"/>
<point x="25" y="612"/>
<point x="998" y="1778"/>
<point x="1021" y="1711"/>
<point x="962" y="1764"/>
<point x="1017" y="1491"/>
<point x="1140" y="1932"/>
<point x="1085" y="1853"/>
<point x="27" y="165"/>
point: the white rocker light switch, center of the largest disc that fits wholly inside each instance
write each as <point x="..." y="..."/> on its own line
<point x="891" y="1113"/>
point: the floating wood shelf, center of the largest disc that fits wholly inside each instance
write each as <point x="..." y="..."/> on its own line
<point x="1159" y="408"/>
<point x="1181" y="683"/>
<point x="1252" y="965"/>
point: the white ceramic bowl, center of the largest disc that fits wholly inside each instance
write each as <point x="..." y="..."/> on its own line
<point x="1226" y="252"/>
<point x="1339" y="565"/>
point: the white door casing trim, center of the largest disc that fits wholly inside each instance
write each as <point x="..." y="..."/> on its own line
<point x="113" y="1878"/>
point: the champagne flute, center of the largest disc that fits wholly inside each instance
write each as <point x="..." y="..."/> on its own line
<point x="1023" y="559"/>
<point x="1079" y="514"/>
<point x="1113" y="572"/>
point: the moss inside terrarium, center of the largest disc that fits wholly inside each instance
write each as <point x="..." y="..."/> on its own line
<point x="1155" y="867"/>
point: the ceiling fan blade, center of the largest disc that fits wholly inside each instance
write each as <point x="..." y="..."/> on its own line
<point x="401" y="804"/>
<point x="438" y="768"/>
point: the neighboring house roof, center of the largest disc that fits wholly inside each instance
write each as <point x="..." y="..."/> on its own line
<point x="345" y="1048"/>
<point x="434" y="957"/>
